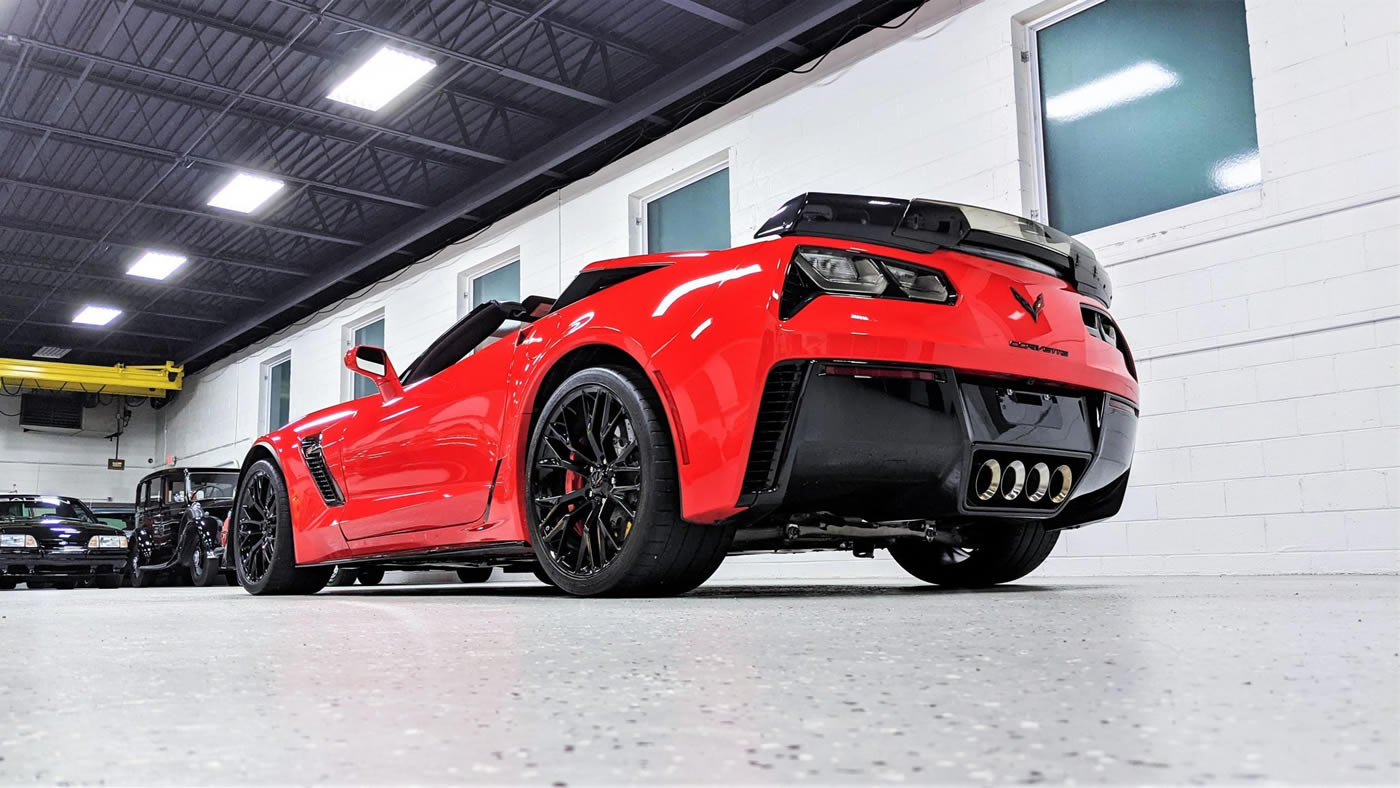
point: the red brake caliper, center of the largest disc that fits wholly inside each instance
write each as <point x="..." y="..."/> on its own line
<point x="573" y="482"/>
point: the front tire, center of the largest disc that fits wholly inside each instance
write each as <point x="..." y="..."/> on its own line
<point x="476" y="574"/>
<point x="1003" y="552"/>
<point x="261" y="537"/>
<point x="603" y="495"/>
<point x="341" y="576"/>
<point x="204" y="571"/>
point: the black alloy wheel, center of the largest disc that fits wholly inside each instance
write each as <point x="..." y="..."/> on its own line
<point x="998" y="552"/>
<point x="587" y="481"/>
<point x="603" y="496"/>
<point x="261" y="537"/>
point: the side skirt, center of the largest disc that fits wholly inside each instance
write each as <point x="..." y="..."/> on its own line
<point x="453" y="557"/>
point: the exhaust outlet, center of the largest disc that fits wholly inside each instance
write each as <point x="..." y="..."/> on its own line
<point x="1038" y="482"/>
<point x="1060" y="483"/>
<point x="1013" y="480"/>
<point x="988" y="480"/>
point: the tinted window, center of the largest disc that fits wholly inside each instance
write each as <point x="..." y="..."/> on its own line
<point x="1145" y="106"/>
<point x="279" y="395"/>
<point x="692" y="217"/>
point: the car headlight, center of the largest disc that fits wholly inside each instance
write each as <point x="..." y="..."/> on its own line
<point x="107" y="541"/>
<point x="17" y="540"/>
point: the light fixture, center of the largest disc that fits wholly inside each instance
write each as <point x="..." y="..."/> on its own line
<point x="246" y="193"/>
<point x="1137" y="81"/>
<point x="387" y="74"/>
<point x="50" y="351"/>
<point x="156" y="265"/>
<point x="96" y="315"/>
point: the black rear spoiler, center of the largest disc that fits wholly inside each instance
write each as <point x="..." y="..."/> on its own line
<point x="929" y="225"/>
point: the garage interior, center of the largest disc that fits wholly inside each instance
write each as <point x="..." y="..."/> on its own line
<point x="204" y="204"/>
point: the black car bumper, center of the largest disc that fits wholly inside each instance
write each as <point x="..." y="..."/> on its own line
<point x="884" y="442"/>
<point x="26" y="564"/>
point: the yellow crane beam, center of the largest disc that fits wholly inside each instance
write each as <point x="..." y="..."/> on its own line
<point x="131" y="381"/>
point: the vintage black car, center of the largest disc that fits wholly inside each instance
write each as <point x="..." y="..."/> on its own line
<point x="179" y="512"/>
<point x="52" y="540"/>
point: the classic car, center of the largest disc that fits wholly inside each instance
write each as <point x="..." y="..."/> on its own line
<point x="939" y="380"/>
<point x="53" y="540"/>
<point x="178" y="516"/>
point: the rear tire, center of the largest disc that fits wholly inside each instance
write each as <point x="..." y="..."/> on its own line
<point x="108" y="581"/>
<point x="6" y="584"/>
<point x="1006" y="552"/>
<point x="369" y="575"/>
<point x="341" y="576"/>
<point x="261" y="537"/>
<point x="602" y="471"/>
<point x="476" y="574"/>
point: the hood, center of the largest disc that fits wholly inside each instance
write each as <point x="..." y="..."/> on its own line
<point x="58" y="531"/>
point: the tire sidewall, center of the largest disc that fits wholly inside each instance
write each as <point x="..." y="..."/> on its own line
<point x="634" y="546"/>
<point x="284" y="525"/>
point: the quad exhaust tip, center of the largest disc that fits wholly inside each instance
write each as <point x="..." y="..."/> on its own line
<point x="1013" y="481"/>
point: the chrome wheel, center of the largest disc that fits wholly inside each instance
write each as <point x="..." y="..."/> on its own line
<point x="585" y="481"/>
<point x="257" y="527"/>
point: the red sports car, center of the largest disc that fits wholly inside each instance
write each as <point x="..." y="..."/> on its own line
<point x="938" y="380"/>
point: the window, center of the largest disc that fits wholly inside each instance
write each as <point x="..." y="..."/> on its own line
<point x="693" y="216"/>
<point x="502" y="284"/>
<point x="277" y="392"/>
<point x="1141" y="106"/>
<point x="368" y="334"/>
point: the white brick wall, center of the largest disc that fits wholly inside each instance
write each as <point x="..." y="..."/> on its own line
<point x="1266" y="322"/>
<point x="76" y="465"/>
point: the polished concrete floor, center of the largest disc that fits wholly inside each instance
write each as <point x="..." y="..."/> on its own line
<point x="1157" y="680"/>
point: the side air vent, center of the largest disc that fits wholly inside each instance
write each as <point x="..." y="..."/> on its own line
<point x="316" y="463"/>
<point x="775" y="413"/>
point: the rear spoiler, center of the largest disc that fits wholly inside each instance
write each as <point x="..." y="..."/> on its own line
<point x="929" y="225"/>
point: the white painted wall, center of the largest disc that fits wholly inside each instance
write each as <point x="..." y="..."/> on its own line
<point x="1266" y="323"/>
<point x="76" y="465"/>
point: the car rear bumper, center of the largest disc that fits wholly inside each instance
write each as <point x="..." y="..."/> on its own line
<point x="42" y="563"/>
<point x="881" y="442"/>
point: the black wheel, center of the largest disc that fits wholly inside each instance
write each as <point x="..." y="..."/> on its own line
<point x="113" y="580"/>
<point x="603" y="499"/>
<point x="369" y="575"/>
<point x="262" y="537"/>
<point x="1001" y="552"/>
<point x="342" y="576"/>
<point x="6" y="584"/>
<point x="477" y="574"/>
<point x="204" y="571"/>
<point x="65" y="585"/>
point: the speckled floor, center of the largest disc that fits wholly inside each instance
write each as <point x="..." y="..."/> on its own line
<point x="1149" y="680"/>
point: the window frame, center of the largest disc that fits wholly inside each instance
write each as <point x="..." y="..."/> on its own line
<point x="347" y="341"/>
<point x="1031" y="132"/>
<point x="467" y="277"/>
<point x="265" y="389"/>
<point x="639" y="200"/>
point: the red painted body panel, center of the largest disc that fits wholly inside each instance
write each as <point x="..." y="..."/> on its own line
<point x="417" y="471"/>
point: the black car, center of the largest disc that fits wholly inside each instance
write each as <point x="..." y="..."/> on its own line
<point x="179" y="512"/>
<point x="51" y="540"/>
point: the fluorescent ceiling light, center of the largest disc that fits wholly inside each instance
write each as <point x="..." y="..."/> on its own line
<point x="385" y="76"/>
<point x="156" y="265"/>
<point x="1130" y="84"/>
<point x="245" y="193"/>
<point x="96" y="315"/>
<point x="49" y="351"/>
<point x="1237" y="172"/>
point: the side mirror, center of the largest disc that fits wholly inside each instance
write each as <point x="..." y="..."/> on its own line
<point x="373" y="363"/>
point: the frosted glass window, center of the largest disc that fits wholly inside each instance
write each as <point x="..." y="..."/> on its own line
<point x="279" y="395"/>
<point x="691" y="217"/>
<point x="502" y="284"/>
<point x="1145" y="105"/>
<point x="372" y="334"/>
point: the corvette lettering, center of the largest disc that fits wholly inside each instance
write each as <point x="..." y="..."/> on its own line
<point x="1054" y="351"/>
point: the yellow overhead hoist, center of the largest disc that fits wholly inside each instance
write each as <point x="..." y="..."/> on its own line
<point x="131" y="381"/>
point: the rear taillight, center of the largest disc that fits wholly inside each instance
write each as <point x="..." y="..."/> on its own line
<point x="816" y="270"/>
<point x="1101" y="327"/>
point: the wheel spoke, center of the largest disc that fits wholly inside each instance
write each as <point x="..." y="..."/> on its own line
<point x="626" y="510"/>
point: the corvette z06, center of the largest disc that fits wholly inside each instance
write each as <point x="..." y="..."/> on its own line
<point x="938" y="380"/>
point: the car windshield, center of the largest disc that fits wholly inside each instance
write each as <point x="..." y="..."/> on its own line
<point x="204" y="486"/>
<point x="33" y="507"/>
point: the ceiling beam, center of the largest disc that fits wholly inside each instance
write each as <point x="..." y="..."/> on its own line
<point x="253" y="98"/>
<point x="75" y="234"/>
<point x="725" y="20"/>
<point x="204" y="161"/>
<point x="243" y="221"/>
<point x="787" y="23"/>
<point x="51" y="266"/>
